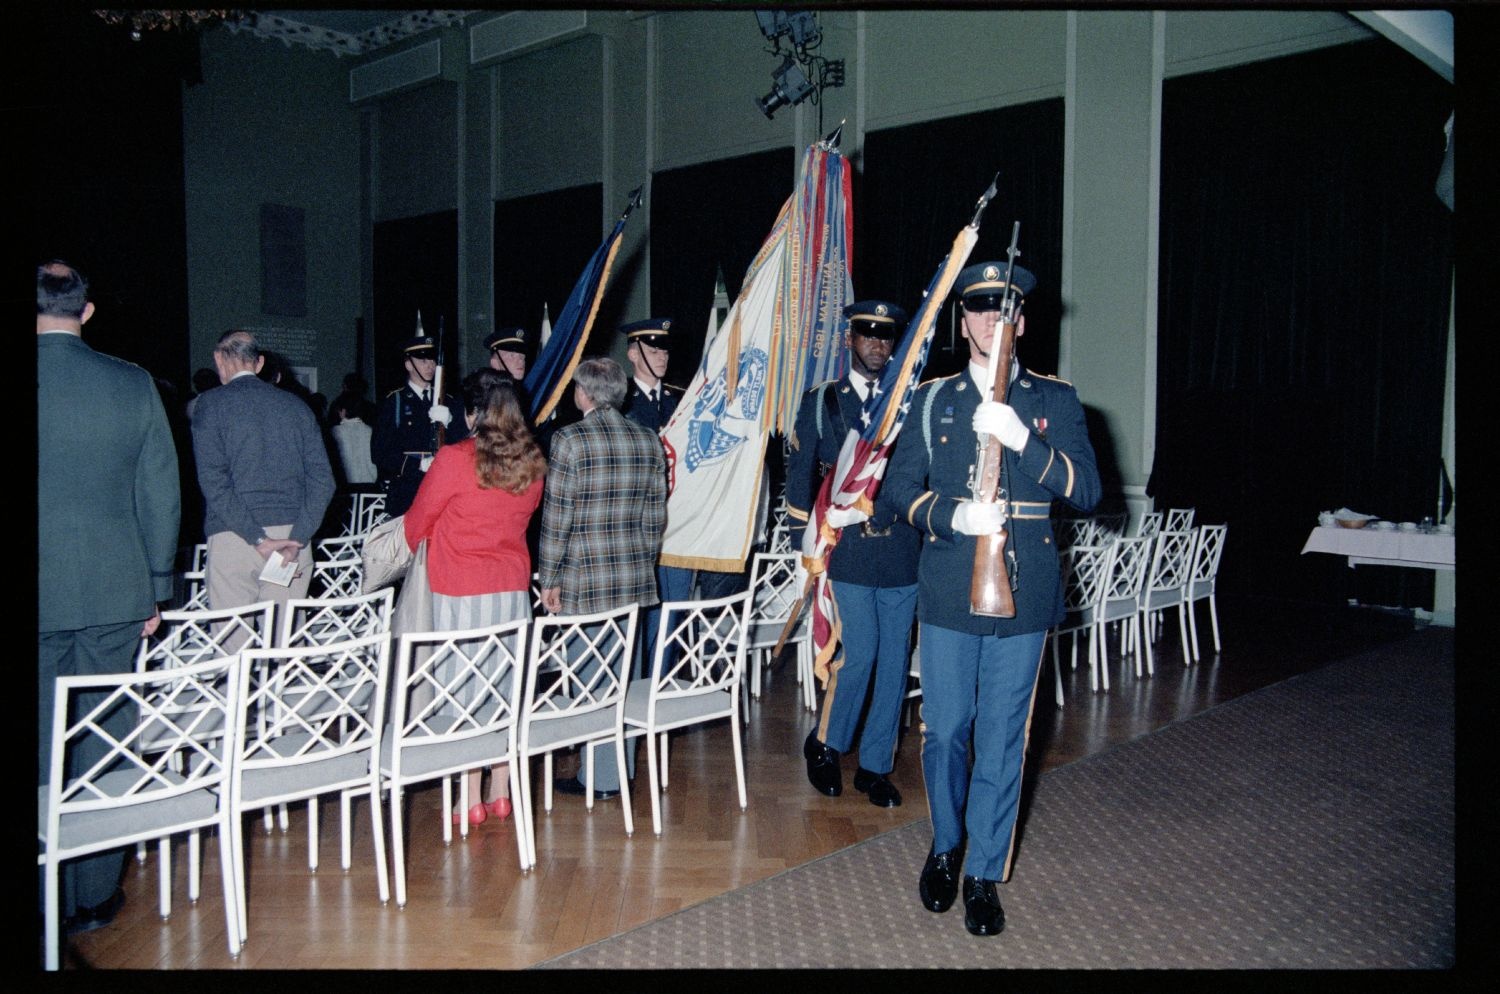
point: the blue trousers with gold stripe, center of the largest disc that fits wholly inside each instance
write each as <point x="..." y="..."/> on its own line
<point x="875" y="627"/>
<point x="979" y="688"/>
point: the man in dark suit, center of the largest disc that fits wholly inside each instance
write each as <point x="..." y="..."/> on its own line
<point x="979" y="672"/>
<point x="873" y="570"/>
<point x="108" y="508"/>
<point x="603" y="514"/>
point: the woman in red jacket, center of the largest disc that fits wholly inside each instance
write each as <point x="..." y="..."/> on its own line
<point x="473" y="508"/>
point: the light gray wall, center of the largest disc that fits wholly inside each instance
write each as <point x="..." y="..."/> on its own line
<point x="271" y="124"/>
<point x="637" y="92"/>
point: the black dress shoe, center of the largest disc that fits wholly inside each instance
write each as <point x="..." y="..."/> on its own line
<point x="89" y="918"/>
<point x="822" y="766"/>
<point x="939" y="884"/>
<point x="576" y="788"/>
<point x="883" y="793"/>
<point x="982" y="912"/>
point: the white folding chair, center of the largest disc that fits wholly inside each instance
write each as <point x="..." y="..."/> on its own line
<point x="1207" y="552"/>
<point x="151" y="759"/>
<point x="309" y="723"/>
<point x="182" y="639"/>
<point x="774" y="596"/>
<point x="1179" y="519"/>
<point x="453" y="708"/>
<point x="1165" y="587"/>
<point x="1107" y="526"/>
<point x="193" y="583"/>
<point x="1085" y="570"/>
<point x="577" y="669"/>
<point x="338" y="567"/>
<point x="1068" y="532"/>
<point x="1129" y="558"/>
<point x="781" y="538"/>
<point x="697" y="664"/>
<point x="1149" y="524"/>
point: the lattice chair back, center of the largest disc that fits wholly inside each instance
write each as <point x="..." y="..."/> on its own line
<point x="697" y="666"/>
<point x="781" y="538"/>
<point x="194" y="580"/>
<point x="188" y="637"/>
<point x="366" y="510"/>
<point x="309" y="721"/>
<point x="324" y="620"/>
<point x="1149" y="524"/>
<point x="577" y="670"/>
<point x="536" y="596"/>
<point x="1179" y="519"/>
<point x="1171" y="568"/>
<point x="1207" y="553"/>
<point x="338" y="567"/>
<point x="774" y="594"/>
<point x="137" y="756"/>
<point x="1068" y="532"/>
<point x="1204" y="578"/>
<point x="453" y="708"/>
<point x="1130" y="559"/>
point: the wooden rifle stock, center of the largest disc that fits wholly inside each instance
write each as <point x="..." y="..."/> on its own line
<point x="989" y="589"/>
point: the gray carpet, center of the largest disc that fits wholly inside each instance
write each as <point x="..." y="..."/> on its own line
<point x="1309" y="824"/>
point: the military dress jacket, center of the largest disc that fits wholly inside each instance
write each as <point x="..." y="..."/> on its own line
<point x="639" y="408"/>
<point x="108" y="493"/>
<point x="604" y="510"/>
<point x="929" y="475"/>
<point x="403" y="427"/>
<point x="883" y="551"/>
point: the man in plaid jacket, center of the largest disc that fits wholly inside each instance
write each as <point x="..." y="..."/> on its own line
<point x="603" y="514"/>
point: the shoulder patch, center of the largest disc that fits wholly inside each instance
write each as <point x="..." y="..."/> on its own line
<point x="1044" y="376"/>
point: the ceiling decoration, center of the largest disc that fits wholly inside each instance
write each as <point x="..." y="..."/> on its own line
<point x="290" y="31"/>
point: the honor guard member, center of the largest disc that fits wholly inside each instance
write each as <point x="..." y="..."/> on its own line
<point x="405" y="436"/>
<point x="651" y="399"/>
<point x="507" y="348"/>
<point x="979" y="673"/>
<point x="873" y="570"/>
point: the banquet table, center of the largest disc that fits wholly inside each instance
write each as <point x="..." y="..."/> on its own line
<point x="1378" y="547"/>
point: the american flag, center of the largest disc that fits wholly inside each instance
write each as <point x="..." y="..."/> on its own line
<point x="864" y="455"/>
<point x="562" y="346"/>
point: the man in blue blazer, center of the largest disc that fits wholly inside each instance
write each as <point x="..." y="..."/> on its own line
<point x="108" y="507"/>
<point x="979" y="673"/>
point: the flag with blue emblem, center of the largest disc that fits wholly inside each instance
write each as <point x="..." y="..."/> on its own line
<point x="562" y="343"/>
<point x="781" y="330"/>
<point x="866" y="451"/>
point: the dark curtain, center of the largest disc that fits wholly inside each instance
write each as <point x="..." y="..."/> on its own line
<point x="106" y="193"/>
<point x="415" y="268"/>
<point x="705" y="218"/>
<point x="542" y="243"/>
<point x="1304" y="300"/>
<point x="919" y="186"/>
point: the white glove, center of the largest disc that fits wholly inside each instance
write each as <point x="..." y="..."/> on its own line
<point x="426" y="463"/>
<point x="975" y="518"/>
<point x="840" y="517"/>
<point x="1000" y="420"/>
<point x="439" y="413"/>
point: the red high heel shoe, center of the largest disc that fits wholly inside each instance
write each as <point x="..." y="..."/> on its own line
<point x="477" y="814"/>
<point x="499" y="807"/>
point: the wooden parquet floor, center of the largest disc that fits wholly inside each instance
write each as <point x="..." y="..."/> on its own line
<point x="470" y="907"/>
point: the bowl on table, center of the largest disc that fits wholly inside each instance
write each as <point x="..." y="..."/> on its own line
<point x="1352" y="522"/>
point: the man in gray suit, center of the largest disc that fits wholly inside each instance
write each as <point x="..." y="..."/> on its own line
<point x="603" y="514"/>
<point x="265" y="478"/>
<point x="108" y="507"/>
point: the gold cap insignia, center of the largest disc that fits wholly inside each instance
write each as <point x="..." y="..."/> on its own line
<point x="882" y="310"/>
<point x="665" y="325"/>
<point x="992" y="272"/>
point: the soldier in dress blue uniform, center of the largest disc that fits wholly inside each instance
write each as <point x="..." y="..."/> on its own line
<point x="405" y="436"/>
<point x="507" y="347"/>
<point x="873" y="570"/>
<point x="979" y="673"/>
<point x="651" y="400"/>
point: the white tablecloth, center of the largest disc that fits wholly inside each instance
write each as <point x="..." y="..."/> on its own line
<point x="1383" y="548"/>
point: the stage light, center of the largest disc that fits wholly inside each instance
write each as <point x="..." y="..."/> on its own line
<point x="790" y="86"/>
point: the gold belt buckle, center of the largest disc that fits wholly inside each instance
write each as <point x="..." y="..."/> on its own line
<point x="869" y="532"/>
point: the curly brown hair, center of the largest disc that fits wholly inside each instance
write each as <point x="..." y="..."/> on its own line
<point x="506" y="456"/>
